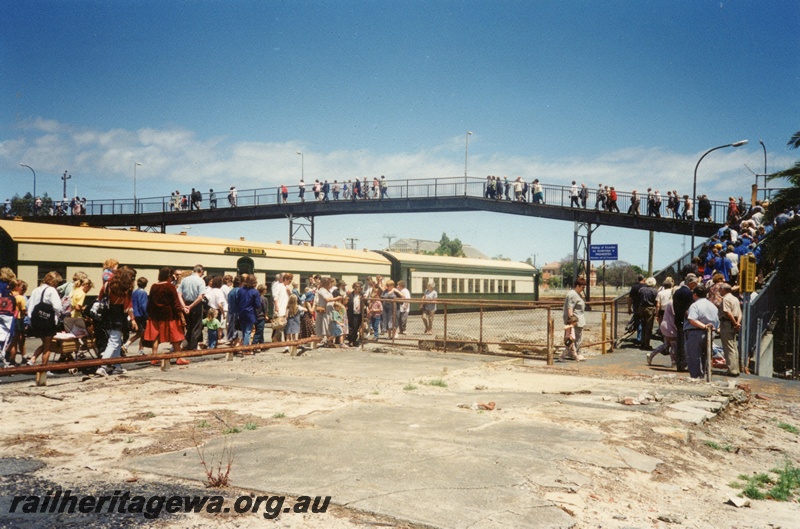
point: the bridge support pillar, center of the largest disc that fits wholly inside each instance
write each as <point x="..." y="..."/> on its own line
<point x="301" y="230"/>
<point x="581" y="265"/>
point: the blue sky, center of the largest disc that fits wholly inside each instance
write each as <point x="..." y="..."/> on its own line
<point x="213" y="94"/>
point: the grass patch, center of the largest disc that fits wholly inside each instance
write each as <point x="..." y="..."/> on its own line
<point x="409" y="387"/>
<point x="279" y="416"/>
<point x="788" y="427"/>
<point x="716" y="446"/>
<point x="203" y="424"/>
<point x="783" y="487"/>
<point x="250" y="426"/>
<point x="149" y="415"/>
<point x="435" y="382"/>
<point x="233" y="429"/>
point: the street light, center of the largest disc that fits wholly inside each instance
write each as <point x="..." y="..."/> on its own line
<point x="765" y="168"/>
<point x="134" y="185"/>
<point x="65" y="177"/>
<point x="694" y="185"/>
<point x="302" y="166"/>
<point x="466" y="160"/>
<point x="34" y="184"/>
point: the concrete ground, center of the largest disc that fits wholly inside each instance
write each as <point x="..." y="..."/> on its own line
<point x="455" y="440"/>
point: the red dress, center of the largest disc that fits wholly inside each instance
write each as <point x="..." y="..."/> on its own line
<point x="164" y="311"/>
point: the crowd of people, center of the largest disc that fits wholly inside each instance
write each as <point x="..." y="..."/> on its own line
<point x="674" y="205"/>
<point x="707" y="298"/>
<point x="233" y="310"/>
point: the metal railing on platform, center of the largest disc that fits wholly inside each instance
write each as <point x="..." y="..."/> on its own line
<point x="553" y="195"/>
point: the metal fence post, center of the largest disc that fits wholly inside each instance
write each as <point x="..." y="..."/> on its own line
<point x="480" y="330"/>
<point x="550" y="340"/>
<point x="709" y="347"/>
<point x="603" y="333"/>
<point x="445" y="329"/>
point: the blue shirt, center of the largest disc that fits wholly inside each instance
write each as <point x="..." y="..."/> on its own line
<point x="139" y="301"/>
<point x="703" y="311"/>
<point x="191" y="287"/>
<point x="249" y="300"/>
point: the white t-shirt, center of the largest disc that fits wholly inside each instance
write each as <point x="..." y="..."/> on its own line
<point x="405" y="294"/>
<point x="281" y="297"/>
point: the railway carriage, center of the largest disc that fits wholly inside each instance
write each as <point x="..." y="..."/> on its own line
<point x="460" y="278"/>
<point x="33" y="249"/>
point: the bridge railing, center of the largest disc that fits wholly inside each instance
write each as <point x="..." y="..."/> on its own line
<point x="554" y="195"/>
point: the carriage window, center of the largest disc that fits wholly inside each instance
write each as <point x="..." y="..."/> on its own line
<point x="491" y="286"/>
<point x="454" y="285"/>
<point x="461" y="285"/>
<point x="485" y="285"/>
<point x="471" y="286"/>
<point x="46" y="268"/>
<point x="513" y="286"/>
<point x="444" y="286"/>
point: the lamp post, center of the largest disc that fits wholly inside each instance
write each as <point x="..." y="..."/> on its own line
<point x="65" y="177"/>
<point x="765" y="168"/>
<point x="694" y="185"/>
<point x="466" y="160"/>
<point x="302" y="166"/>
<point x="135" y="164"/>
<point x="34" y="185"/>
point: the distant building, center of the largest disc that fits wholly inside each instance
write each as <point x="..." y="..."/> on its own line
<point x="421" y="246"/>
<point x="554" y="270"/>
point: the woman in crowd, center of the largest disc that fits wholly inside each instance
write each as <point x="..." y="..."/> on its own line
<point x="139" y="299"/>
<point x="119" y="316"/>
<point x="19" y="325"/>
<point x="45" y="294"/>
<point x="574" y="304"/>
<point x="164" y="314"/>
<point x="249" y="301"/>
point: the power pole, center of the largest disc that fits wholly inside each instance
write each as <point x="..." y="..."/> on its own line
<point x="351" y="245"/>
<point x="389" y="237"/>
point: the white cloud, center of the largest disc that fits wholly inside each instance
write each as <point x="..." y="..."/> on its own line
<point x="102" y="161"/>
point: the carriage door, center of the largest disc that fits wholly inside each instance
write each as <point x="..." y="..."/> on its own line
<point x="245" y="265"/>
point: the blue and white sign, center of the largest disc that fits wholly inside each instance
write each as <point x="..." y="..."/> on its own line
<point x="603" y="252"/>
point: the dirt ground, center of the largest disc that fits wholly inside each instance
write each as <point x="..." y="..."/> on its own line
<point x="83" y="431"/>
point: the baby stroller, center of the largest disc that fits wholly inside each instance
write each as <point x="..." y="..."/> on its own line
<point x="77" y="342"/>
<point x="6" y="337"/>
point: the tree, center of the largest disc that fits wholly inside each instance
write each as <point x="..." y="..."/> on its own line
<point x="23" y="205"/>
<point x="453" y="248"/>
<point x="783" y="244"/>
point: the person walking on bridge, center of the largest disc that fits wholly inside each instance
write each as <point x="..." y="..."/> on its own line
<point x="573" y="195"/>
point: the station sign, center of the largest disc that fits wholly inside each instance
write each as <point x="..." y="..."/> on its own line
<point x="244" y="250"/>
<point x="603" y="252"/>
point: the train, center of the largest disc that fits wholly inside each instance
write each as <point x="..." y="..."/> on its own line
<point x="34" y="249"/>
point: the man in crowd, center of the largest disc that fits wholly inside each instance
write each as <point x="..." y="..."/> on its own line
<point x="191" y="290"/>
<point x="701" y="317"/>
<point x="681" y="301"/>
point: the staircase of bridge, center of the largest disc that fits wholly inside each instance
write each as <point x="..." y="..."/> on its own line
<point x="762" y="309"/>
<point x="402" y="196"/>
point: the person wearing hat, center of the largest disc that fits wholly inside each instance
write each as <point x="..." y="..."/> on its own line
<point x="681" y="301"/>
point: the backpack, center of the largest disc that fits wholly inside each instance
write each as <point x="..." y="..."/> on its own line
<point x="43" y="318"/>
<point x="8" y="305"/>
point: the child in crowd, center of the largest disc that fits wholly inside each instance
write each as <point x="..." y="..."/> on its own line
<point x="212" y="324"/>
<point x="78" y="297"/>
<point x="337" y="324"/>
<point x="570" y="347"/>
<point x="375" y="312"/>
<point x="292" y="329"/>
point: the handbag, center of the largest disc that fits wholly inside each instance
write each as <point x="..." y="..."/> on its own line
<point x="43" y="319"/>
